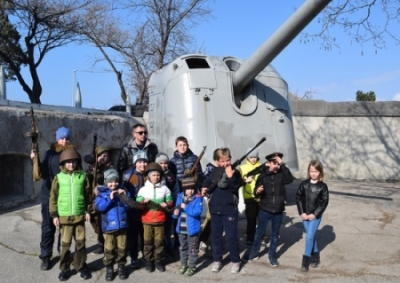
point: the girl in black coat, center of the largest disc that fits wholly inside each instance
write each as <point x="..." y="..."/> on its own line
<point x="312" y="198"/>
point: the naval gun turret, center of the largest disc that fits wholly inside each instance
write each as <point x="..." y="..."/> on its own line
<point x="226" y="101"/>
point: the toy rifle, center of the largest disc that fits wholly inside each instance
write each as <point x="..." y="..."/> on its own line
<point x="192" y="171"/>
<point x="94" y="184"/>
<point x="216" y="175"/>
<point x="34" y="134"/>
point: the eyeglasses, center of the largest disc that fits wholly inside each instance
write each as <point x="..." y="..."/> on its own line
<point x="141" y="133"/>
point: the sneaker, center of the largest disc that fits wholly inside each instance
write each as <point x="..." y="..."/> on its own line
<point x="216" y="266"/>
<point x="273" y="262"/>
<point x="254" y="259"/>
<point x="158" y="265"/>
<point x="190" y="271"/>
<point x="183" y="269"/>
<point x="98" y="251"/>
<point x="134" y="263"/>
<point x="45" y="265"/>
<point x="84" y="274"/>
<point x="235" y="267"/>
<point x="63" y="276"/>
<point x="150" y="267"/>
<point x="203" y="247"/>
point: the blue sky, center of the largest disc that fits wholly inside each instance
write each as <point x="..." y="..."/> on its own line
<point x="238" y="29"/>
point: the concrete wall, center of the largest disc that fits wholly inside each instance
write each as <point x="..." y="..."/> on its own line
<point x="113" y="129"/>
<point x="353" y="140"/>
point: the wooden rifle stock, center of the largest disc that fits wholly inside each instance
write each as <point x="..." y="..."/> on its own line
<point x="192" y="171"/>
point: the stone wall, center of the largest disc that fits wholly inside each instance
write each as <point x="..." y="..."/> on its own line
<point x="353" y="140"/>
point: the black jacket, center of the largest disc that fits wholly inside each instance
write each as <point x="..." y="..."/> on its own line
<point x="125" y="160"/>
<point x="273" y="196"/>
<point x="312" y="198"/>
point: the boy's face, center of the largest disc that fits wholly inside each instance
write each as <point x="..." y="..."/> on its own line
<point x="223" y="161"/>
<point x="103" y="158"/>
<point x="189" y="191"/>
<point x="70" y="164"/>
<point x="273" y="166"/>
<point x="155" y="177"/>
<point x="113" y="185"/>
<point x="181" y="147"/>
<point x="164" y="165"/>
<point x="253" y="160"/>
<point x="140" y="166"/>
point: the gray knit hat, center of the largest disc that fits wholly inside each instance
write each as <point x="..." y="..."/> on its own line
<point x="110" y="175"/>
<point x="253" y="153"/>
<point x="161" y="156"/>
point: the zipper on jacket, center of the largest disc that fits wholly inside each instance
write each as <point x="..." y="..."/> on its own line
<point x="273" y="193"/>
<point x="72" y="194"/>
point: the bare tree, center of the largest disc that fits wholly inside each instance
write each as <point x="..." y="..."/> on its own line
<point x="146" y="34"/>
<point x="43" y="25"/>
<point x="361" y="20"/>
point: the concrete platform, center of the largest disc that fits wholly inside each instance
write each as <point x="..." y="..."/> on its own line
<point x="358" y="237"/>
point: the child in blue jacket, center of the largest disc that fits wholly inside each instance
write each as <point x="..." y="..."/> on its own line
<point x="114" y="222"/>
<point x="189" y="207"/>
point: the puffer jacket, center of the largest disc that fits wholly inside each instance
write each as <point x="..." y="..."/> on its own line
<point x="193" y="212"/>
<point x="113" y="211"/>
<point x="157" y="193"/>
<point x="312" y="198"/>
<point x="179" y="163"/>
<point x="127" y="152"/>
<point x="273" y="196"/>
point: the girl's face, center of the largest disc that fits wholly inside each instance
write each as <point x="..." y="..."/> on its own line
<point x="154" y="177"/>
<point x="314" y="174"/>
<point x="103" y="158"/>
<point x="181" y="147"/>
<point x="253" y="160"/>
<point x="140" y="166"/>
<point x="164" y="165"/>
<point x="70" y="165"/>
<point x="223" y="161"/>
<point x="113" y="185"/>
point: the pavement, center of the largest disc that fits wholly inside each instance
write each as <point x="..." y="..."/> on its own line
<point x="359" y="239"/>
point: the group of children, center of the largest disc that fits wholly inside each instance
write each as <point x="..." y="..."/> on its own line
<point x="136" y="210"/>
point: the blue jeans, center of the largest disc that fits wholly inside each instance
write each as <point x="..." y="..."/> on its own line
<point x="262" y="222"/>
<point x="311" y="227"/>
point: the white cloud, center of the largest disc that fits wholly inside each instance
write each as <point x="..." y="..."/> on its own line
<point x="396" y="97"/>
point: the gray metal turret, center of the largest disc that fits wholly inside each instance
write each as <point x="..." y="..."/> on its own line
<point x="226" y="101"/>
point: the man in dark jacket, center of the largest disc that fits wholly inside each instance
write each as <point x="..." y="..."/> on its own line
<point x="270" y="187"/>
<point x="139" y="142"/>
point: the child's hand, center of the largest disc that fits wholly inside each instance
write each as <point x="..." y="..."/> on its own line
<point x="163" y="204"/>
<point x="112" y="194"/>
<point x="87" y="217"/>
<point x="56" y="221"/>
<point x="260" y="189"/>
<point x="304" y="216"/>
<point x="204" y="191"/>
<point x="183" y="205"/>
<point x="279" y="160"/>
<point x="249" y="179"/>
<point x="32" y="155"/>
<point x="147" y="200"/>
<point x="121" y="191"/>
<point x="229" y="171"/>
<point x="176" y="212"/>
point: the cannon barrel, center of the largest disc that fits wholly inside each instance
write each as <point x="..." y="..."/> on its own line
<point x="276" y="43"/>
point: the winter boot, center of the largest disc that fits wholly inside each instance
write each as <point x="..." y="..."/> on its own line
<point x="122" y="272"/>
<point x="305" y="263"/>
<point x="315" y="260"/>
<point x="109" y="273"/>
<point x="45" y="265"/>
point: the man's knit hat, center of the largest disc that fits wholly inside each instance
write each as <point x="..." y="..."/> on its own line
<point x="63" y="132"/>
<point x="140" y="155"/>
<point x="110" y="175"/>
<point x="161" y="156"/>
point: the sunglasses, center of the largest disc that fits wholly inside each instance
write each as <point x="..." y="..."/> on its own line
<point x="141" y="133"/>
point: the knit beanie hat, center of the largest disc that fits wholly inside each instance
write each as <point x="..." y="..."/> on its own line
<point x="161" y="157"/>
<point x="253" y="153"/>
<point x="63" y="132"/>
<point x="140" y="155"/>
<point x="110" y="175"/>
<point x="188" y="182"/>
